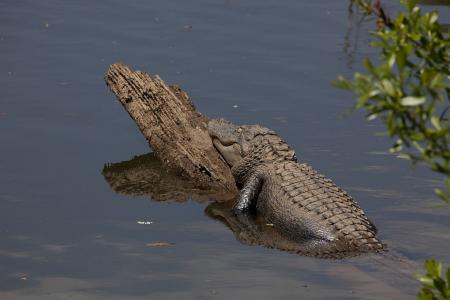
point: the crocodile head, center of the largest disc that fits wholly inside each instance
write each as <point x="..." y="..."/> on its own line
<point x="234" y="142"/>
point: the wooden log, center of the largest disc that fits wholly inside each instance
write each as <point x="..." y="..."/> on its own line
<point x="176" y="131"/>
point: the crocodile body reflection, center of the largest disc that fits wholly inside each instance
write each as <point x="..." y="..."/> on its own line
<point x="256" y="232"/>
<point x="145" y="175"/>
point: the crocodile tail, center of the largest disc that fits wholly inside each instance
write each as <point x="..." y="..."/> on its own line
<point x="359" y="232"/>
<point x="340" y="249"/>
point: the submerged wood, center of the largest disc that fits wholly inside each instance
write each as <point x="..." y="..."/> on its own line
<point x="175" y="130"/>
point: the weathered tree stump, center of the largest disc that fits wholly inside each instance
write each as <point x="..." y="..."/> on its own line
<point x="176" y="131"/>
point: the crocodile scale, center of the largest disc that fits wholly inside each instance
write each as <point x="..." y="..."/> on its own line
<point x="317" y="194"/>
<point x="290" y="186"/>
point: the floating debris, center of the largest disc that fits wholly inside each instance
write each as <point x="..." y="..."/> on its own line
<point x="159" y="244"/>
<point x="19" y="276"/>
<point x="144" y="222"/>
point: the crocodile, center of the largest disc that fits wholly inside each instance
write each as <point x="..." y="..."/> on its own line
<point x="291" y="197"/>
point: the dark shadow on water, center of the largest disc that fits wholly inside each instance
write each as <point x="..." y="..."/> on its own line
<point x="145" y="175"/>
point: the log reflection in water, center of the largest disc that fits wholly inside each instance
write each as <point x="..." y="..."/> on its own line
<point x="145" y="175"/>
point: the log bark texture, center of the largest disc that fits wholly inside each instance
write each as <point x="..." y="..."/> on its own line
<point x="176" y="131"/>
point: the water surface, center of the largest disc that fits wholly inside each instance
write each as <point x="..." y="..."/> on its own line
<point x="64" y="234"/>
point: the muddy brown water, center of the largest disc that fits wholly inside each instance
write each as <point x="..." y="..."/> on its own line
<point x="64" y="234"/>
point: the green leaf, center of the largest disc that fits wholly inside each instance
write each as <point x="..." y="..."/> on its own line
<point x="404" y="156"/>
<point x="433" y="17"/>
<point x="372" y="117"/>
<point x="412" y="101"/>
<point x="425" y="280"/>
<point x="438" y="269"/>
<point x="391" y="60"/>
<point x="436" y="123"/>
<point x="373" y="93"/>
<point x="401" y="60"/>
<point x="434" y="269"/>
<point x="369" y="66"/>
<point x="342" y="83"/>
<point x="436" y="80"/>
<point x="388" y="87"/>
<point x="448" y="278"/>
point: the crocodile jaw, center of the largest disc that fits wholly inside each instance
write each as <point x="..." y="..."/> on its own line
<point x="231" y="153"/>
